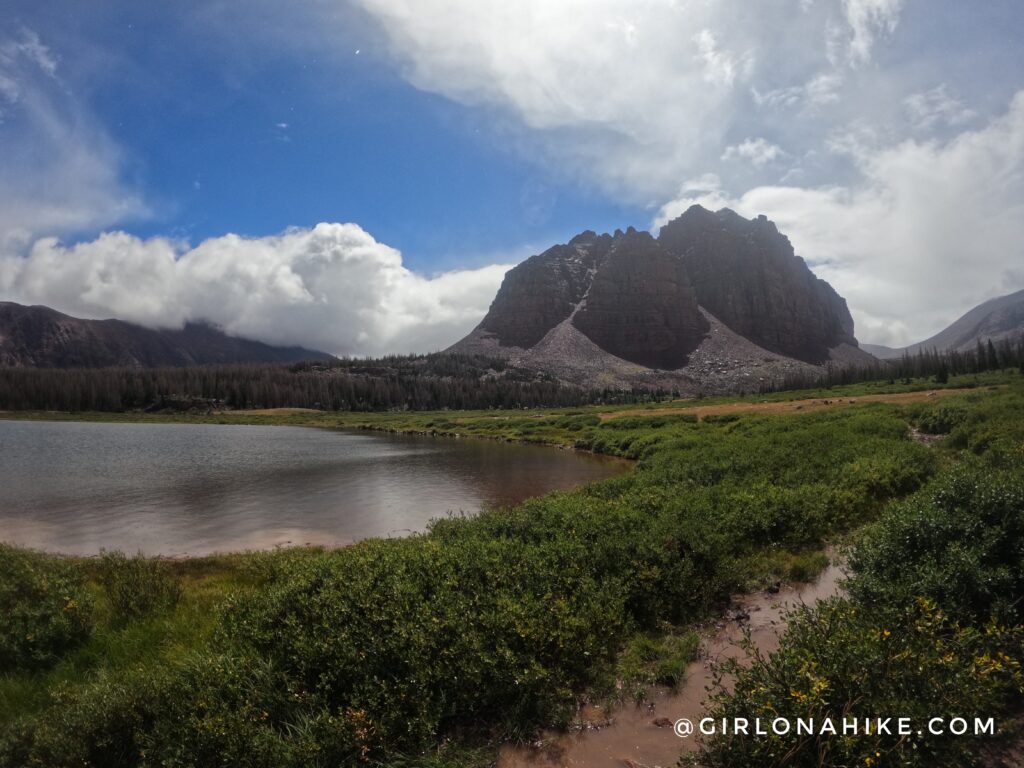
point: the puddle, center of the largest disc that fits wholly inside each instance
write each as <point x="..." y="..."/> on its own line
<point x="628" y="737"/>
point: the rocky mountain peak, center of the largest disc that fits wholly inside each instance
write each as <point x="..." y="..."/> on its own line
<point x="745" y="272"/>
<point x="640" y="306"/>
<point x="713" y="296"/>
<point x="544" y="290"/>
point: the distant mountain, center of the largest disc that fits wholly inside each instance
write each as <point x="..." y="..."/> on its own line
<point x="994" y="319"/>
<point x="40" y="337"/>
<point x="715" y="302"/>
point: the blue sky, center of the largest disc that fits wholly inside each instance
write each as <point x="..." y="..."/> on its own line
<point x="172" y="162"/>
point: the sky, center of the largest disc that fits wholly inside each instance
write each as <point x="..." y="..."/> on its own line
<point x="357" y="176"/>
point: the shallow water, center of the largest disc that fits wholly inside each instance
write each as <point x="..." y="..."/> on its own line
<point x="176" y="489"/>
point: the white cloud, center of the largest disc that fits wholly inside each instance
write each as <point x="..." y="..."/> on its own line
<point x="929" y="230"/>
<point x="758" y="151"/>
<point x="719" y="67"/>
<point x="620" y="93"/>
<point x="820" y="90"/>
<point x="631" y="95"/>
<point x="931" y="108"/>
<point x="60" y="171"/>
<point x="868" y="19"/>
<point x="332" y="287"/>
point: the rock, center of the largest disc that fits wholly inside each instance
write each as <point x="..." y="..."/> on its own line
<point x="746" y="274"/>
<point x="544" y="290"/>
<point x="696" y="310"/>
<point x="662" y="722"/>
<point x="640" y="306"/>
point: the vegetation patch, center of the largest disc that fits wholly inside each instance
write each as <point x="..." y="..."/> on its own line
<point x="429" y="650"/>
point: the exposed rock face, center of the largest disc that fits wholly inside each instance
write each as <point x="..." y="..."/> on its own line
<point x="544" y="290"/>
<point x="640" y="306"/>
<point x="746" y="274"/>
<point x="716" y="303"/>
<point x="44" y="338"/>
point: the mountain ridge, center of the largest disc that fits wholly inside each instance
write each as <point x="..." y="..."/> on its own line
<point x="40" y="337"/>
<point x="993" y="319"/>
<point x="629" y="309"/>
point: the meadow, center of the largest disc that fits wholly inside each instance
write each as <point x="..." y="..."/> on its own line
<point x="434" y="649"/>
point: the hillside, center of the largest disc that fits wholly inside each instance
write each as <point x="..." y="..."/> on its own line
<point x="995" y="319"/>
<point x="40" y="337"/>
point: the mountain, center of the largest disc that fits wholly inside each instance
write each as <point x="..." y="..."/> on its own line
<point x="40" y="337"/>
<point x="994" y="319"/>
<point x="715" y="302"/>
<point x="746" y="274"/>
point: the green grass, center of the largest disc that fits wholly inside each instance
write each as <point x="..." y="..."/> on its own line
<point x="437" y="647"/>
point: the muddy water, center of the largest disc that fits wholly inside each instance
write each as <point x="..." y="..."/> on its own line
<point x="628" y="737"/>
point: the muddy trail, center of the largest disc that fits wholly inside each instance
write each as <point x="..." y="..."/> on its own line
<point x="642" y="736"/>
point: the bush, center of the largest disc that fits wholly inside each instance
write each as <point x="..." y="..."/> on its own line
<point x="843" y="660"/>
<point x="942" y="419"/>
<point x="98" y="724"/>
<point x="137" y="585"/>
<point x="416" y="636"/>
<point x="959" y="543"/>
<point x="656" y="660"/>
<point x="45" y="609"/>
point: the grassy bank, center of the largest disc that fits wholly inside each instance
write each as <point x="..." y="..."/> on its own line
<point x="429" y="650"/>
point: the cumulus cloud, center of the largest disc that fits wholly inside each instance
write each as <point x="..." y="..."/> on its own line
<point x="820" y="90"/>
<point x="332" y="287"/>
<point x="622" y="94"/>
<point x="758" y="151"/>
<point x="936" y="106"/>
<point x="719" y="67"/>
<point x="868" y="19"/>
<point x="630" y="95"/>
<point x="929" y="229"/>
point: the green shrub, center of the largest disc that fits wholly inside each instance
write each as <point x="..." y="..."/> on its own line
<point x="960" y="543"/>
<point x="98" y="724"/>
<point x="137" y="585"/>
<point x="843" y="660"/>
<point x="942" y="419"/>
<point x="420" y="635"/>
<point x="650" y="659"/>
<point x="45" y="609"/>
<point x="721" y="418"/>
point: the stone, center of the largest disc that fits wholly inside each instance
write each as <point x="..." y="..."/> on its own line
<point x="747" y="275"/>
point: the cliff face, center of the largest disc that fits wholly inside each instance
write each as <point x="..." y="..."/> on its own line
<point x="715" y="301"/>
<point x="746" y="274"/>
<point x="41" y="337"/>
<point x="544" y="290"/>
<point x="640" y="306"/>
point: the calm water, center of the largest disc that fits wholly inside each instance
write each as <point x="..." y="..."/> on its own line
<point x="178" y="489"/>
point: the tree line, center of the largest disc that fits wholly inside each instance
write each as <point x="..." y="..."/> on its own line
<point x="413" y="382"/>
<point x="989" y="355"/>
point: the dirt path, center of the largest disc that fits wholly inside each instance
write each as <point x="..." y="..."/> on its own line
<point x="269" y="411"/>
<point x="788" y="406"/>
<point x="628" y="737"/>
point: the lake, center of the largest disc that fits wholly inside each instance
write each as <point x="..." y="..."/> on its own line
<point x="177" y="489"/>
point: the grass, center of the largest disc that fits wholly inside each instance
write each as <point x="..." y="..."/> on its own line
<point x="436" y="647"/>
<point x="148" y="641"/>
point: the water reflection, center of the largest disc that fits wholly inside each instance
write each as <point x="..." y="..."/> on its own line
<point x="178" y="489"/>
